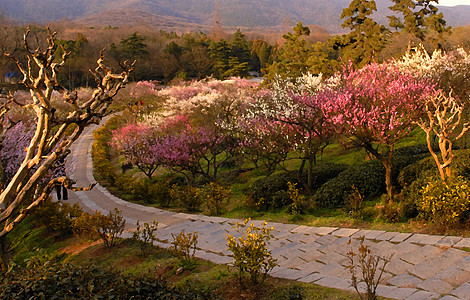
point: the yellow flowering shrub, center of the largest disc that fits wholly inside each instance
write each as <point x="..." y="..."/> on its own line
<point x="184" y="245"/>
<point x="214" y="197"/>
<point x="250" y="253"/>
<point x="294" y="195"/>
<point x="445" y="203"/>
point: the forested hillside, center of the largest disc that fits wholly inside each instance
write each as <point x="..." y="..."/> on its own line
<point x="200" y="14"/>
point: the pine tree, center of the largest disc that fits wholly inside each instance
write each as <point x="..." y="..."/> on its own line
<point x="367" y="38"/>
<point x="420" y="18"/>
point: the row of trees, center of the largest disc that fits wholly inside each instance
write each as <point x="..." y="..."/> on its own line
<point x="206" y="123"/>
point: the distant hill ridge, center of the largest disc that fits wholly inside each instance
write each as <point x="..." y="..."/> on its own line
<point x="199" y="14"/>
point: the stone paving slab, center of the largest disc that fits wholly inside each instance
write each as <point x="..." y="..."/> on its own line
<point x="400" y="237"/>
<point x="423" y="295"/>
<point x="334" y="282"/>
<point x="344" y="232"/>
<point x="449" y="241"/>
<point x="395" y="292"/>
<point x="462" y="292"/>
<point x="323" y="230"/>
<point x="464" y="243"/>
<point x="386" y="236"/>
<point x="436" y="285"/>
<point x="404" y="280"/>
<point x="311" y="278"/>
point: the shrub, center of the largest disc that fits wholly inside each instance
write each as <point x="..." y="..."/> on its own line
<point x="297" y="206"/>
<point x="370" y="266"/>
<point x="186" y="196"/>
<point x="145" y="236"/>
<point x="322" y="173"/>
<point x="445" y="203"/>
<point x="367" y="177"/>
<point x="249" y="251"/>
<point x="58" y="216"/>
<point x="214" y="197"/>
<point x="355" y="200"/>
<point x="108" y="228"/>
<point x="415" y="177"/>
<point x="55" y="280"/>
<point x="271" y="192"/>
<point x="184" y="246"/>
<point x="460" y="163"/>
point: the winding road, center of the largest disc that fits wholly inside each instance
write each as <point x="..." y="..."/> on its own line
<point x="422" y="266"/>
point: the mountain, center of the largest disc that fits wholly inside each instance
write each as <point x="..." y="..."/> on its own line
<point x="200" y="14"/>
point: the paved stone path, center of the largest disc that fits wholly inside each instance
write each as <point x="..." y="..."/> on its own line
<point x="422" y="266"/>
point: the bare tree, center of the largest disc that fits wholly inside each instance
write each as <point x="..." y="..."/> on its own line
<point x="444" y="119"/>
<point x="54" y="134"/>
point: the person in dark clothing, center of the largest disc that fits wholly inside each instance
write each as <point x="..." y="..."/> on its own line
<point x="59" y="171"/>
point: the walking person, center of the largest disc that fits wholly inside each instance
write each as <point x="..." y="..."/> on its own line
<point x="59" y="171"/>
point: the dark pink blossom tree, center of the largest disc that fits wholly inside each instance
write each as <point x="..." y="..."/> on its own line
<point x="140" y="144"/>
<point x="196" y="148"/>
<point x="375" y="106"/>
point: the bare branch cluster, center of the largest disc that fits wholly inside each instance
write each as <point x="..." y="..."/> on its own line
<point x="52" y="138"/>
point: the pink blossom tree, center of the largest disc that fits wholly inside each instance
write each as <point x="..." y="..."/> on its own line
<point x="199" y="149"/>
<point x="375" y="106"/>
<point x="140" y="144"/>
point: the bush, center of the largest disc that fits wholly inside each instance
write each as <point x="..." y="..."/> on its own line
<point x="186" y="196"/>
<point x="322" y="173"/>
<point x="184" y="246"/>
<point x="460" y="166"/>
<point x="102" y="165"/>
<point x="445" y="203"/>
<point x="58" y="216"/>
<point x="145" y="236"/>
<point x="214" y="197"/>
<point x="416" y="176"/>
<point x="55" y="280"/>
<point x="97" y="225"/>
<point x="271" y="192"/>
<point x="249" y="251"/>
<point x="368" y="178"/>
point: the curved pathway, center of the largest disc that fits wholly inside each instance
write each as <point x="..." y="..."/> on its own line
<point x="422" y="266"/>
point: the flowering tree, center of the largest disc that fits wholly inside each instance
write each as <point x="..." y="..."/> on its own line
<point x="13" y="146"/>
<point x="295" y="103"/>
<point x="375" y="106"/>
<point x="197" y="149"/>
<point x="53" y="133"/>
<point x="140" y="145"/>
<point x="265" y="141"/>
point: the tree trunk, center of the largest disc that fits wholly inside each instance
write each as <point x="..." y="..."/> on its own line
<point x="388" y="179"/>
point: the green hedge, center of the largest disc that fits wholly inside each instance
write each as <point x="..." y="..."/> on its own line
<point x="54" y="280"/>
<point x="368" y="178"/>
<point x="271" y="192"/>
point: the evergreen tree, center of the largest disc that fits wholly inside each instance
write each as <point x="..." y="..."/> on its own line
<point x="134" y="46"/>
<point x="367" y="38"/>
<point x="420" y="18"/>
<point x="219" y="52"/>
<point x="291" y="61"/>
